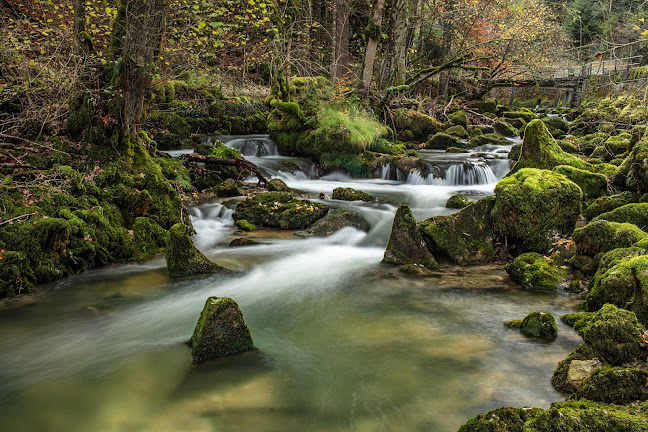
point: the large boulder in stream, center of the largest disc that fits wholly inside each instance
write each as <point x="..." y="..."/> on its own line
<point x="220" y="331"/>
<point x="182" y="257"/>
<point x="466" y="236"/>
<point x="335" y="220"/>
<point x="536" y="272"/>
<point x="279" y="210"/>
<point x="534" y="205"/>
<point x="540" y="150"/>
<point x="350" y="194"/>
<point x="536" y="325"/>
<point x="406" y="245"/>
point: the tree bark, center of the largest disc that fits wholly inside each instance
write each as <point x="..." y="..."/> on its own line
<point x="341" y="37"/>
<point x="82" y="43"/>
<point x="373" y="32"/>
<point x="403" y="10"/>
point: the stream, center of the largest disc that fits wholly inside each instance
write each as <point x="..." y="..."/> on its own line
<point x="344" y="342"/>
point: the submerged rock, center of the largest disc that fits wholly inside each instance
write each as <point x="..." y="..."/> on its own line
<point x="466" y="236"/>
<point x="241" y="241"/>
<point x="534" y="205"/>
<point x="279" y="210"/>
<point x="350" y="194"/>
<point x="580" y="370"/>
<point x="535" y="272"/>
<point x="182" y="257"/>
<point x="220" y="331"/>
<point x="406" y="245"/>
<point x="335" y="220"/>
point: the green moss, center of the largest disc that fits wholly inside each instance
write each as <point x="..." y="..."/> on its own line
<point x="539" y="324"/>
<point x="466" y="236"/>
<point x="149" y="238"/>
<point x="615" y="334"/>
<point x="244" y="225"/>
<point x="442" y="140"/>
<point x="350" y="194"/>
<point x="277" y="185"/>
<point x="182" y="257"/>
<point x="559" y="377"/>
<point x="335" y="220"/>
<point x="457" y="131"/>
<point x="603" y="236"/>
<point x="593" y="185"/>
<point x="535" y="272"/>
<point x="608" y="203"/>
<point x="572" y="318"/>
<point x="588" y="143"/>
<point x="406" y="245"/>
<point x="635" y="169"/>
<point x="636" y="214"/>
<point x="459" y="118"/>
<point x="222" y="151"/>
<point x="505" y="129"/>
<point x="556" y="123"/>
<point x="567" y="146"/>
<point x="220" y="331"/>
<point x="524" y="114"/>
<point x="533" y="205"/>
<point x="457" y="201"/>
<point x="614" y="386"/>
<point x="456" y="150"/>
<point x="412" y="125"/>
<point x="279" y="210"/>
<point x="505" y="419"/>
<point x="540" y="150"/>
<point x="16" y="274"/>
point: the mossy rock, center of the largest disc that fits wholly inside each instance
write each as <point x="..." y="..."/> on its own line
<point x="581" y="416"/>
<point x="584" y="263"/>
<point x="559" y="378"/>
<point x="245" y="225"/>
<point x="149" y="238"/>
<point x="442" y="140"/>
<point x="615" y="386"/>
<point x="228" y="188"/>
<point x="505" y="419"/>
<point x="556" y="122"/>
<point x="459" y="118"/>
<point x="412" y="125"/>
<point x="220" y="331"/>
<point x="615" y="334"/>
<point x="277" y="185"/>
<point x="534" y="205"/>
<point x="535" y="272"/>
<point x="572" y="318"/>
<point x="603" y="236"/>
<point x="487" y="106"/>
<point x="606" y="204"/>
<point x="515" y="152"/>
<point x="539" y="325"/>
<point x="624" y="285"/>
<point x="567" y="146"/>
<point x="588" y="143"/>
<point x="592" y="184"/>
<point x="182" y="257"/>
<point x="635" y="168"/>
<point x="242" y="241"/>
<point x="335" y="220"/>
<point x="525" y="115"/>
<point x="506" y="129"/>
<point x="605" y="261"/>
<point x="636" y="214"/>
<point x="350" y="194"/>
<point x="279" y="210"/>
<point x="488" y="138"/>
<point x="456" y="150"/>
<point x="457" y="131"/>
<point x="406" y="245"/>
<point x="540" y="150"/>
<point x="466" y="236"/>
<point x="457" y="201"/>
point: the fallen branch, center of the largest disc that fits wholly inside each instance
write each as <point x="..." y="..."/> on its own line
<point x="239" y="161"/>
<point x="17" y="217"/>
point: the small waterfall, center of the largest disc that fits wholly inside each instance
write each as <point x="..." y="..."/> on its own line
<point x="461" y="174"/>
<point x="212" y="223"/>
<point x="386" y="169"/>
<point x="251" y="145"/>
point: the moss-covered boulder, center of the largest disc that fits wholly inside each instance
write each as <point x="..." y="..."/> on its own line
<point x="350" y="194"/>
<point x="556" y="122"/>
<point x="539" y="324"/>
<point x="245" y="225"/>
<point x="636" y="214"/>
<point x="581" y="416"/>
<point x="615" y="386"/>
<point x="592" y="184"/>
<point x="242" y="241"/>
<point x="456" y="150"/>
<point x="220" y="331"/>
<point x="277" y="185"/>
<point x="457" y="201"/>
<point x="606" y="204"/>
<point x="442" y="140"/>
<point x="580" y="370"/>
<point x="633" y="172"/>
<point x="615" y="334"/>
<point x="412" y="125"/>
<point x="459" y="118"/>
<point x="624" y="285"/>
<point x="534" y="205"/>
<point x="279" y="210"/>
<point x="572" y="318"/>
<point x="559" y="379"/>
<point x="603" y="236"/>
<point x="488" y="138"/>
<point x="540" y="150"/>
<point x="335" y="220"/>
<point x="182" y="257"/>
<point x="149" y="238"/>
<point x="466" y="236"/>
<point x="506" y="129"/>
<point x="524" y="114"/>
<point x="505" y="419"/>
<point x="536" y="272"/>
<point x="406" y="245"/>
<point x="457" y="131"/>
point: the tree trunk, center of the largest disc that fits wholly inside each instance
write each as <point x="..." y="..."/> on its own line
<point x="373" y="32"/>
<point x="446" y="44"/>
<point x="136" y="42"/>
<point x="403" y="10"/>
<point x="82" y="42"/>
<point x="341" y="36"/>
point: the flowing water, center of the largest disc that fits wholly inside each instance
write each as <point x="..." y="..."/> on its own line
<point x="344" y="342"/>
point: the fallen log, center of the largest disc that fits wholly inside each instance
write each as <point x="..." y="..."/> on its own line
<point x="239" y="161"/>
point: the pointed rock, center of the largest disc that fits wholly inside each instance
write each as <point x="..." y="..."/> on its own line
<point x="406" y="244"/>
<point x="182" y="257"/>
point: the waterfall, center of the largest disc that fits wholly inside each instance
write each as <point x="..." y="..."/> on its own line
<point x="212" y="223"/>
<point x="461" y="174"/>
<point x="251" y="145"/>
<point x="386" y="169"/>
